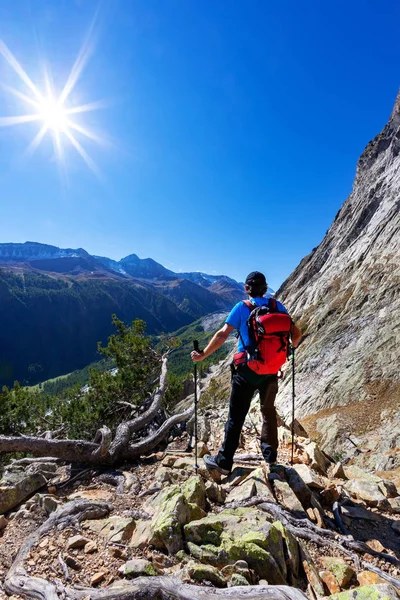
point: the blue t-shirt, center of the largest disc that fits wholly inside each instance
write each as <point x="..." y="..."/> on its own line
<point x="239" y="315"/>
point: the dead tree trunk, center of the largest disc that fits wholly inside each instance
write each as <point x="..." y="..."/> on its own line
<point x="103" y="450"/>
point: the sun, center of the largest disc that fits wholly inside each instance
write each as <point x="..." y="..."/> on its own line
<point x="54" y="113"/>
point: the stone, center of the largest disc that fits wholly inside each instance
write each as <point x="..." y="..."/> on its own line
<point x="329" y="496"/>
<point x="132" y="483"/>
<point x="311" y="573"/>
<point x="358" y="512"/>
<point x="169" y="460"/>
<point x="388" y="489"/>
<point x="368" y="592"/>
<point x="201" y="572"/>
<point x="237" y="475"/>
<point x="215" y="493"/>
<point x="396" y="526"/>
<point x="310" y="477"/>
<point x="299" y="486"/>
<point x="286" y="496"/>
<point x="194" y="491"/>
<point x="3" y="522"/>
<point x="17" y="487"/>
<point x="354" y="472"/>
<point x="318" y="460"/>
<point x="90" y="548"/>
<point x="244" y="491"/>
<point x="162" y="475"/>
<point x="330" y="581"/>
<point x="292" y="549"/>
<point x="184" y="462"/>
<point x="337" y="471"/>
<point x="237" y="579"/>
<point x="341" y="570"/>
<point x="70" y="561"/>
<point x="394" y="505"/>
<point x="369" y="578"/>
<point x="376" y="545"/>
<point x="114" y="529"/>
<point x="98" y="577"/>
<point x="50" y="503"/>
<point x="202" y="449"/>
<point x="240" y="534"/>
<point x="368" y="491"/>
<point x="77" y="541"/>
<point x="137" y="567"/>
<point x="240" y="567"/>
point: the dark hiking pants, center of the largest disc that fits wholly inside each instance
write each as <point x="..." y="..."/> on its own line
<point x="244" y="384"/>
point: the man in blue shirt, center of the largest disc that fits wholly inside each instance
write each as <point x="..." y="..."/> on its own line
<point x="245" y="382"/>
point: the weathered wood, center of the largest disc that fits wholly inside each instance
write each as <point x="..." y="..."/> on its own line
<point x="18" y="581"/>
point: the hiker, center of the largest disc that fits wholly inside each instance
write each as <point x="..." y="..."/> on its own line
<point x="245" y="378"/>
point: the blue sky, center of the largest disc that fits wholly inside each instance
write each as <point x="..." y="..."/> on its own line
<point x="234" y="127"/>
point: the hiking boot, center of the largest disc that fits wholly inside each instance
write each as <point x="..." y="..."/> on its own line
<point x="211" y="463"/>
<point x="270" y="457"/>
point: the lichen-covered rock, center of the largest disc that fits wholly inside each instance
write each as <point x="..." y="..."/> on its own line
<point x="341" y="570"/>
<point x="369" y="578"/>
<point x="16" y="487"/>
<point x="240" y="534"/>
<point x="291" y="549"/>
<point x="286" y="496"/>
<point x="137" y="567"/>
<point x="215" y="493"/>
<point x="368" y="592"/>
<point x="194" y="491"/>
<point x="330" y="581"/>
<point x="200" y="572"/>
<point x="113" y="529"/>
<point x="368" y="491"/>
<point x="237" y="579"/>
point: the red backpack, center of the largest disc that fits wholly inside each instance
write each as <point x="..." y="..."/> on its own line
<point x="269" y="333"/>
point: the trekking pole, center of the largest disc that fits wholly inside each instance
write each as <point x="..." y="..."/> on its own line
<point x="196" y="348"/>
<point x="293" y="399"/>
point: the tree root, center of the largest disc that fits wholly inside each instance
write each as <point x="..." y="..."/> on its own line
<point x="18" y="582"/>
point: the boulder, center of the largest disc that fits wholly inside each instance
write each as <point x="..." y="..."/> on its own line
<point x="170" y="508"/>
<point x="17" y="487"/>
<point x="394" y="504"/>
<point x="237" y="579"/>
<point x="388" y="488"/>
<point x="330" y="581"/>
<point x="318" y="460"/>
<point x="309" y="477"/>
<point x="113" y="529"/>
<point x="337" y="471"/>
<point x="200" y="572"/>
<point x="240" y="534"/>
<point x="215" y="493"/>
<point x="286" y="496"/>
<point x="368" y="592"/>
<point x="137" y="567"/>
<point x="368" y="491"/>
<point x="299" y="485"/>
<point x="369" y="578"/>
<point x="341" y="570"/>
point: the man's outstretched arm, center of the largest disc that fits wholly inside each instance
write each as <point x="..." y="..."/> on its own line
<point x="216" y="342"/>
<point x="295" y="335"/>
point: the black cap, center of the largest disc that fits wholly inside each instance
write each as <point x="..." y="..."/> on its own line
<point x="255" y="278"/>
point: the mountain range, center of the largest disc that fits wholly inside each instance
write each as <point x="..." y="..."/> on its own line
<point x="56" y="304"/>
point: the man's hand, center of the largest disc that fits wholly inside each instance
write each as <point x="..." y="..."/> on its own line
<point x="215" y="343"/>
<point x="197" y="356"/>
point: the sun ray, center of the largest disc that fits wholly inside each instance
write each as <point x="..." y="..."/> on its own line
<point x="36" y="140"/>
<point x="20" y="95"/>
<point x="8" y="121"/>
<point x="90" y="163"/>
<point x="12" y="61"/>
<point x="80" y="63"/>
<point x="89" y="134"/>
<point x="87" y="107"/>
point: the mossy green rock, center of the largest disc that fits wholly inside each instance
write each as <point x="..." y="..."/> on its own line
<point x="238" y="579"/>
<point x="194" y="491"/>
<point x="381" y="591"/>
<point x="138" y="567"/>
<point x="239" y="534"/>
<point x="292" y="549"/>
<point x="206" y="573"/>
<point x="341" y="570"/>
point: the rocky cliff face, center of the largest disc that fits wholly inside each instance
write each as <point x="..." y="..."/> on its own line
<point x="346" y="297"/>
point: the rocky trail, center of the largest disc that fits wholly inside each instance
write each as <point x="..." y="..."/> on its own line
<point x="159" y="528"/>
